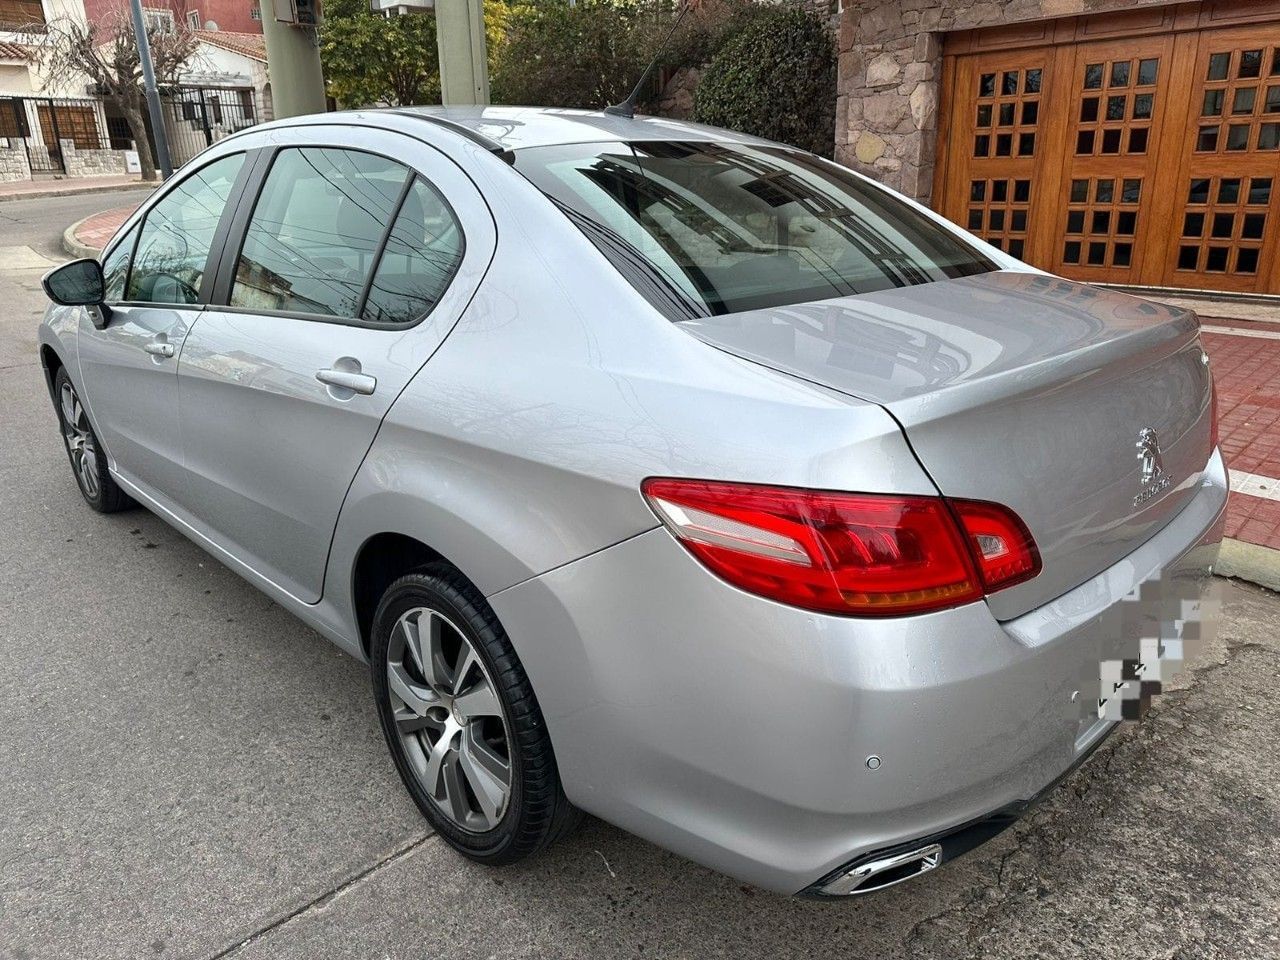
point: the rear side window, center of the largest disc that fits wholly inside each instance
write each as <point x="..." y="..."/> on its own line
<point x="313" y="239"/>
<point x="173" y="248"/>
<point x="422" y="254"/>
<point x="115" y="268"/>
<point x="710" y="228"/>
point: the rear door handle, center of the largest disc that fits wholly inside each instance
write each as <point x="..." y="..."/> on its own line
<point x="158" y="348"/>
<point x="348" y="380"/>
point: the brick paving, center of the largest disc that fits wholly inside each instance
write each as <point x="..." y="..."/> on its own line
<point x="1247" y="372"/>
<point x="101" y="227"/>
<point x="1246" y="367"/>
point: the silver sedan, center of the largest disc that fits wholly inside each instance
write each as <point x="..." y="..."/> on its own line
<point x="659" y="472"/>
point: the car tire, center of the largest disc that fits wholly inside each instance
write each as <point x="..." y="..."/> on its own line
<point x="422" y="629"/>
<point x="85" y="453"/>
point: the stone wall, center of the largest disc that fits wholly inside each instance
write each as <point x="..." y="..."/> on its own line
<point x="890" y="67"/>
<point x="828" y="9"/>
<point x="13" y="161"/>
<point x="676" y="100"/>
<point x="91" y="163"/>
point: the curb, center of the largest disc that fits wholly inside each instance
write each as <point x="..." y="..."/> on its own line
<point x="1250" y="562"/>
<point x="74" y="248"/>
<point x="79" y="191"/>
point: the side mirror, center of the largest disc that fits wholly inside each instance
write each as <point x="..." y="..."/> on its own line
<point x="78" y="284"/>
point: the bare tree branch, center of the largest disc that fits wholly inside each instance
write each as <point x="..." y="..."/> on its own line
<point x="106" y="52"/>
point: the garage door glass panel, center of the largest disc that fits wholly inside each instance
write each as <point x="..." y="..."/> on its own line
<point x="173" y="249"/>
<point x="1009" y="101"/>
<point x="314" y="234"/>
<point x="1116" y="107"/>
<point x="423" y="251"/>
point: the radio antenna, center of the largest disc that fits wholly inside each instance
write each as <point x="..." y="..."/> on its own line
<point x="627" y="108"/>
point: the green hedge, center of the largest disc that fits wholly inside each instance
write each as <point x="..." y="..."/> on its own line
<point x="589" y="55"/>
<point x="775" y="78"/>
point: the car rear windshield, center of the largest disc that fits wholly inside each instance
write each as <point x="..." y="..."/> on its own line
<point x="704" y="228"/>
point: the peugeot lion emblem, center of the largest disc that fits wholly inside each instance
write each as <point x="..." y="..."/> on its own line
<point x="1154" y="480"/>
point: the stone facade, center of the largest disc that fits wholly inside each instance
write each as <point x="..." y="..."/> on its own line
<point x="889" y="73"/>
<point x="13" y="161"/>
<point x="676" y="100"/>
<point x="91" y="163"/>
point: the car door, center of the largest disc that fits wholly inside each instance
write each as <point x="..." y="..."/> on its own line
<point x="157" y="280"/>
<point x="338" y="284"/>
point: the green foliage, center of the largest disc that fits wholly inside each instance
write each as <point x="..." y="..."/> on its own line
<point x="775" y="78"/>
<point x="369" y="59"/>
<point x="708" y="27"/>
<point x="589" y="55"/>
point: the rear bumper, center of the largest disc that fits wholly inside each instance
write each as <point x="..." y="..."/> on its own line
<point x="942" y="847"/>
<point x="737" y="732"/>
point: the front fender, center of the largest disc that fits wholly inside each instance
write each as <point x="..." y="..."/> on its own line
<point x="56" y="338"/>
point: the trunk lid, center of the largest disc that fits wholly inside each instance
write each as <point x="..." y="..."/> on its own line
<point x="1018" y="388"/>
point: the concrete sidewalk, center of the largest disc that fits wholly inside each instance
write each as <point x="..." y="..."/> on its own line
<point x="70" y="186"/>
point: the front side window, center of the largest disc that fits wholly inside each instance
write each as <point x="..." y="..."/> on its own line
<point x="115" y="268"/>
<point x="726" y="227"/>
<point x="313" y="238"/>
<point x="173" y="248"/>
<point x="422" y="253"/>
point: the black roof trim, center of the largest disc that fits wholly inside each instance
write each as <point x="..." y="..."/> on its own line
<point x="462" y="130"/>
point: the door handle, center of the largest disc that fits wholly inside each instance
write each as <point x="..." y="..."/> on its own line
<point x="348" y="380"/>
<point x="158" y="348"/>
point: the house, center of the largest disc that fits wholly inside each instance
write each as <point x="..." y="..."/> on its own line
<point x="223" y="88"/>
<point x="48" y="126"/>
<point x="1126" y="141"/>
<point x="236" y="16"/>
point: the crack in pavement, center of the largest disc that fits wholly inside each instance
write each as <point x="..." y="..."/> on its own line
<point x="1045" y="835"/>
<point x="322" y="900"/>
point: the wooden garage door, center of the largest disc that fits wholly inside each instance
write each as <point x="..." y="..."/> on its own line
<point x="1138" y="148"/>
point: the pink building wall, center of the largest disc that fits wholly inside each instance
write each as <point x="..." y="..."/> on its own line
<point x="231" y="15"/>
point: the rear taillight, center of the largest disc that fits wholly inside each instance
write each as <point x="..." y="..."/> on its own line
<point x="1002" y="545"/>
<point x="852" y="554"/>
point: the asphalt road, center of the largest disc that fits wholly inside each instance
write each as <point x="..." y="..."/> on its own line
<point x="187" y="771"/>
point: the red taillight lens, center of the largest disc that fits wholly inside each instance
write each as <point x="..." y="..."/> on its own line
<point x="853" y="554"/>
<point x="1001" y="543"/>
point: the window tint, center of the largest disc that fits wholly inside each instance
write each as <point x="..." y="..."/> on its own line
<point x="729" y="227"/>
<point x="423" y="250"/>
<point x="176" y="236"/>
<point x="314" y="234"/>
<point x="115" y="268"/>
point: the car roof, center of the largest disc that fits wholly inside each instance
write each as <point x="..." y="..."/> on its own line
<point x="514" y="128"/>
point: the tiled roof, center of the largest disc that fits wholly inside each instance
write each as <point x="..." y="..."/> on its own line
<point x="249" y="45"/>
<point x="14" y="51"/>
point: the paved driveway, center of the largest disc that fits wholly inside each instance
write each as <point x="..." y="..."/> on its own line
<point x="186" y="771"/>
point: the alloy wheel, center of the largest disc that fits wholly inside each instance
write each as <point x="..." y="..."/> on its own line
<point x="449" y="719"/>
<point x="80" y="441"/>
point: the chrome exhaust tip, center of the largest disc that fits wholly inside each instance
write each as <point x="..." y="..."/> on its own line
<point x="884" y="872"/>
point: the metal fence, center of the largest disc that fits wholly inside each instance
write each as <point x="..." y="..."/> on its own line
<point x="44" y="124"/>
<point x="198" y="117"/>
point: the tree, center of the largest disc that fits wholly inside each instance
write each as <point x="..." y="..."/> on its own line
<point x="775" y="78"/>
<point x="371" y="59"/>
<point x="587" y="55"/>
<point x="107" y="53"/>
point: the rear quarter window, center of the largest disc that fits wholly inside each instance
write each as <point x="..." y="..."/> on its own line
<point x="730" y="227"/>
